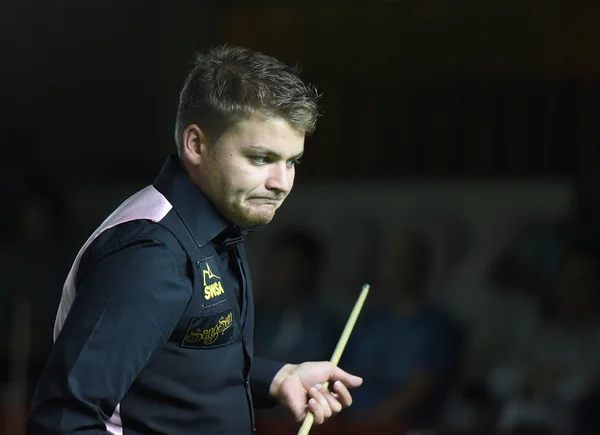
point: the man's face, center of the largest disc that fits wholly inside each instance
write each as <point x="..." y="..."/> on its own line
<point x="250" y="170"/>
<point x="399" y="263"/>
<point x="290" y="269"/>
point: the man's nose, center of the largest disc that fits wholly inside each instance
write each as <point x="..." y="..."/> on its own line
<point x="280" y="178"/>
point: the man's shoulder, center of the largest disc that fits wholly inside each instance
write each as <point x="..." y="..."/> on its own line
<point x="130" y="234"/>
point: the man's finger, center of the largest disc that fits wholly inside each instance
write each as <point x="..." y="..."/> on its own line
<point x="350" y="381"/>
<point x="298" y="407"/>
<point x="332" y="400"/>
<point x="302" y="416"/>
<point x="317" y="410"/>
<point x="344" y="396"/>
<point x="319" y="394"/>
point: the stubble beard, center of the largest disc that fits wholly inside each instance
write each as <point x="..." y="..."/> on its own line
<point x="247" y="216"/>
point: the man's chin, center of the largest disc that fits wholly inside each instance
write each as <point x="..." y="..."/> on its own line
<point x="254" y="219"/>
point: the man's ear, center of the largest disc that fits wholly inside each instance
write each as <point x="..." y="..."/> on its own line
<point x="195" y="145"/>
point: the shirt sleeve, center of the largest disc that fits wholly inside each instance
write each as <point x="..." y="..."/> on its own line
<point x="262" y="375"/>
<point x="127" y="305"/>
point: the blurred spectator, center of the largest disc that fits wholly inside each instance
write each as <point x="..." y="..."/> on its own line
<point x="293" y="324"/>
<point x="406" y="348"/>
<point x="529" y="263"/>
<point x="31" y="280"/>
<point x="558" y="361"/>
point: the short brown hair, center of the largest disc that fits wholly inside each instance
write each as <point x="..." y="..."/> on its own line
<point x="228" y="84"/>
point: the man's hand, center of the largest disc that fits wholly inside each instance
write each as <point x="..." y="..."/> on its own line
<point x="300" y="389"/>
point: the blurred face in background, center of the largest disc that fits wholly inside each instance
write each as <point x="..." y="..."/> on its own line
<point x="288" y="273"/>
<point x="403" y="268"/>
<point x="293" y="270"/>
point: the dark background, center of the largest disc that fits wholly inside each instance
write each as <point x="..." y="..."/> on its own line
<point x="431" y="104"/>
<point x="411" y="88"/>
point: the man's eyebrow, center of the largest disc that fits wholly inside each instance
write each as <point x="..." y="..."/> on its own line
<point x="267" y="152"/>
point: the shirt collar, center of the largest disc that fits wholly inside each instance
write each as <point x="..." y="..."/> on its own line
<point x="198" y="214"/>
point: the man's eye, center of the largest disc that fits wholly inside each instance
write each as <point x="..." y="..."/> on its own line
<point x="259" y="160"/>
<point x="293" y="162"/>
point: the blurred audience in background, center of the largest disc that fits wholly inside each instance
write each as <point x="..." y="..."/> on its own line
<point x="407" y="348"/>
<point x="293" y="322"/>
<point x="557" y="363"/>
<point x="529" y="263"/>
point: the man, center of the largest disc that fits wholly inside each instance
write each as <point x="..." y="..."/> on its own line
<point x="409" y="375"/>
<point x="154" y="333"/>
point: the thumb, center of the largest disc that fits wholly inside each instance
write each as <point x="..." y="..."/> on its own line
<point x="349" y="380"/>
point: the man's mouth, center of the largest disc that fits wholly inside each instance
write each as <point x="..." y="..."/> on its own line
<point x="266" y="200"/>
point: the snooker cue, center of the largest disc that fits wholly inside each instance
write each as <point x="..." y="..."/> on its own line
<point x="339" y="349"/>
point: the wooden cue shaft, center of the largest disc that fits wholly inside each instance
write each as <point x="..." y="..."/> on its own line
<point x="339" y="349"/>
